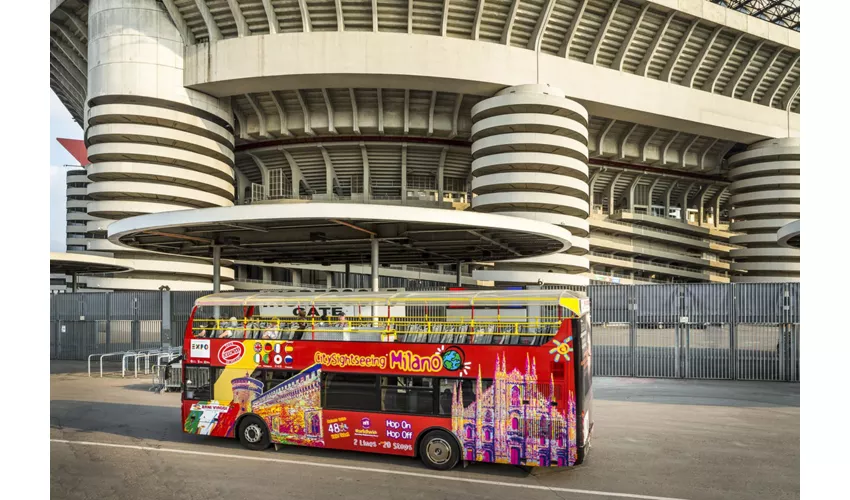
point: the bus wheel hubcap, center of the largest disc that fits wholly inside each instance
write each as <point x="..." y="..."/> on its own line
<point x="438" y="451"/>
<point x="253" y="433"/>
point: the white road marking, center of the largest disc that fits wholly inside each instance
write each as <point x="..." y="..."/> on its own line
<point x="369" y="469"/>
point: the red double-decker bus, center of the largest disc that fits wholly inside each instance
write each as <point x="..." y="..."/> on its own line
<point x="489" y="376"/>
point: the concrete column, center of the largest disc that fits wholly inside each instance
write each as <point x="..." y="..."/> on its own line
<point x="329" y="279"/>
<point x="459" y="276"/>
<point x="296" y="277"/>
<point x="347" y="282"/>
<point x="375" y="265"/>
<point x="267" y="274"/>
<point x="717" y="212"/>
<point x="216" y="268"/>
<point x="404" y="172"/>
<point x="125" y="88"/>
<point x="367" y="182"/>
<point x="73" y="282"/>
<point x="514" y="188"/>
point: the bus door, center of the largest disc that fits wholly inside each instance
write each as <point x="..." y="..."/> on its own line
<point x="584" y="382"/>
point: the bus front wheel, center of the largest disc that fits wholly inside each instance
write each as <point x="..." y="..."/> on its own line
<point x="253" y="433"/>
<point x="439" y="450"/>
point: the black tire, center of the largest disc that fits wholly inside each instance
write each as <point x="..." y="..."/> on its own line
<point x="439" y="450"/>
<point x="253" y="433"/>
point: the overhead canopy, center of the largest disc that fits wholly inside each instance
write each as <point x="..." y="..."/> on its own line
<point x="789" y="235"/>
<point x="78" y="263"/>
<point x="339" y="233"/>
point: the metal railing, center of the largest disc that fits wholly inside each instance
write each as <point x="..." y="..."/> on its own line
<point x="136" y="356"/>
<point x="639" y="230"/>
<point x="635" y="261"/>
<point x="374" y="327"/>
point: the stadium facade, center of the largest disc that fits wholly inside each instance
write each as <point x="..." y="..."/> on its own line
<point x="662" y="134"/>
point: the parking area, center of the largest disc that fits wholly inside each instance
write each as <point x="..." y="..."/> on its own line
<point x="653" y="439"/>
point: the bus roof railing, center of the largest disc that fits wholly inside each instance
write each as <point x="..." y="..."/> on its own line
<point x="576" y="302"/>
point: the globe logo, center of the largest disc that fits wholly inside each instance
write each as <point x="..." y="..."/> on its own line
<point x="452" y="360"/>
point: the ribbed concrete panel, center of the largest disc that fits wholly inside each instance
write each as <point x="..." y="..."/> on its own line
<point x="154" y="145"/>
<point x="765" y="197"/>
<point x="119" y="209"/>
<point x="530" y="158"/>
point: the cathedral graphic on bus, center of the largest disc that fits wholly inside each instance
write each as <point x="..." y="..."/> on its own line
<point x="514" y="421"/>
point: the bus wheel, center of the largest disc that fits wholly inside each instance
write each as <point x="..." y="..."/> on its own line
<point x="253" y="433"/>
<point x="439" y="450"/>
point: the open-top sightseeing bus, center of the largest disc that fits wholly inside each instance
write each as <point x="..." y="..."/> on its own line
<point x="489" y="376"/>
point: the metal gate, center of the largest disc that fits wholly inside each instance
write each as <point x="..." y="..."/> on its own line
<point x="99" y="323"/>
<point x="699" y="331"/>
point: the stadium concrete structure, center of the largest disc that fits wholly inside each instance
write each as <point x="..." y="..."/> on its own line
<point x="662" y="134"/>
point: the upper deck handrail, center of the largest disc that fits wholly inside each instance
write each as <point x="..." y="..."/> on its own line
<point x="471" y="298"/>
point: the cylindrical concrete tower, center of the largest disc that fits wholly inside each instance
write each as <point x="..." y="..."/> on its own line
<point x="154" y="145"/>
<point x="530" y="157"/>
<point x="75" y="205"/>
<point x="765" y="197"/>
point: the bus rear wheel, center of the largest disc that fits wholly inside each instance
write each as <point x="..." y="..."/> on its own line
<point x="253" y="433"/>
<point x="439" y="450"/>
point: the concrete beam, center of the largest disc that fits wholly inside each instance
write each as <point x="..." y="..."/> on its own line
<point x="711" y="81"/>
<point x="624" y="47"/>
<point x="653" y="46"/>
<point x="305" y="110"/>
<point x="456" y="114"/>
<point x="567" y="44"/>
<point x="241" y="25"/>
<point x="355" y="115"/>
<point x="367" y="181"/>
<point x="667" y="73"/>
<point x="271" y="16"/>
<point x="297" y="176"/>
<point x="750" y="93"/>
<point x="476" y="24"/>
<point x="305" y="16"/>
<point x="597" y="42"/>
<point x="213" y="32"/>
<point x="74" y="41"/>
<point x="537" y="35"/>
<point x="340" y="19"/>
<point x="261" y="116"/>
<point x="509" y="24"/>
<point x="694" y="69"/>
<point x="281" y="111"/>
<point x="729" y="91"/>
<point x="329" y="106"/>
<point x="770" y="93"/>
<point x="701" y="163"/>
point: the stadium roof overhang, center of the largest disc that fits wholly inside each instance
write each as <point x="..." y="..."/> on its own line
<point x="340" y="233"/>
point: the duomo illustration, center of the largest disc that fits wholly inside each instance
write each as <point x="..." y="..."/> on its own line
<point x="514" y="420"/>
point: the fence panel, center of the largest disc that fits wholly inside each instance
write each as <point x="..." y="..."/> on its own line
<point x="612" y="354"/>
<point x="705" y="318"/>
<point x="759" y="331"/>
<point x="656" y="340"/>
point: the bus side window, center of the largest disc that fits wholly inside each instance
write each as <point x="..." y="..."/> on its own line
<point x="407" y="395"/>
<point x="350" y="391"/>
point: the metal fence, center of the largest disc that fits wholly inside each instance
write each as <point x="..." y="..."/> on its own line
<point x="698" y="331"/>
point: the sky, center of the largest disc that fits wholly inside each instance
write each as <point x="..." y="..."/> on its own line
<point x="61" y="125"/>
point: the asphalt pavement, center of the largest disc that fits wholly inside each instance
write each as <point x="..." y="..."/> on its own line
<point x="653" y="439"/>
